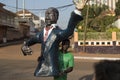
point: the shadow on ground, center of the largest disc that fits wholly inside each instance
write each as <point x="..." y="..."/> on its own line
<point x="87" y="77"/>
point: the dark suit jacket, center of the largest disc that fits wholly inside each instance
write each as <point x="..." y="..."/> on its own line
<point x="48" y="62"/>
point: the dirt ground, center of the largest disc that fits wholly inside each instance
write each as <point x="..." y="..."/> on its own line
<point x="15" y="66"/>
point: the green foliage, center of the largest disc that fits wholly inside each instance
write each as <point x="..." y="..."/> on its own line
<point x="94" y="10"/>
<point x="95" y="36"/>
<point x="117" y="10"/>
<point x="112" y="29"/>
<point x="97" y="20"/>
<point x="102" y="23"/>
<point x="118" y="35"/>
<point x="99" y="26"/>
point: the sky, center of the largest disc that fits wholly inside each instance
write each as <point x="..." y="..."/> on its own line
<point x="43" y="4"/>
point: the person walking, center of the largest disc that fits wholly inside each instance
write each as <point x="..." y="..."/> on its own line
<point x="66" y="61"/>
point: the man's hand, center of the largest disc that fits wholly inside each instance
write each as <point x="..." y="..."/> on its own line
<point x="26" y="50"/>
<point x="79" y="4"/>
<point x="62" y="73"/>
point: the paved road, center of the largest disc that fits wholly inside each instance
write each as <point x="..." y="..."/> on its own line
<point x="15" y="66"/>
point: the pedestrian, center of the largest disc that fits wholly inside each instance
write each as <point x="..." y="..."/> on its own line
<point x="49" y="38"/>
<point x="66" y="61"/>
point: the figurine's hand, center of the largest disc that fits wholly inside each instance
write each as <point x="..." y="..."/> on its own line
<point x="79" y="4"/>
<point x="26" y="50"/>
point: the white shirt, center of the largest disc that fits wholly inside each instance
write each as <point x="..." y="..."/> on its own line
<point x="52" y="27"/>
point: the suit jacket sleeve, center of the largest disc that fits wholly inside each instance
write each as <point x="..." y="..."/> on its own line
<point x="35" y="39"/>
<point x="73" y="21"/>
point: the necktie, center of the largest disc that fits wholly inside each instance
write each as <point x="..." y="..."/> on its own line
<point x="46" y="33"/>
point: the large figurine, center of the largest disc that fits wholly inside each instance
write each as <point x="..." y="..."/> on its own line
<point x="49" y="38"/>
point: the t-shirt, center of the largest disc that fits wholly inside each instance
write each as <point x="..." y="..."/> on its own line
<point x="66" y="60"/>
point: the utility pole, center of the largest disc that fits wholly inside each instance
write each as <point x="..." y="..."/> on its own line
<point x="23" y="8"/>
<point x="40" y="19"/>
<point x="16" y="5"/>
<point x="85" y="29"/>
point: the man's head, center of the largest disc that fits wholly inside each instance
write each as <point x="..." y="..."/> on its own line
<point x="51" y="16"/>
<point x="65" y="44"/>
<point x="107" y="70"/>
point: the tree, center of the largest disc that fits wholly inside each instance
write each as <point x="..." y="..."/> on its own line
<point x="97" y="18"/>
<point x="117" y="10"/>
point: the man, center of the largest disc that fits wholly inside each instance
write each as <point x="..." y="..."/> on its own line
<point x="49" y="38"/>
<point x="66" y="61"/>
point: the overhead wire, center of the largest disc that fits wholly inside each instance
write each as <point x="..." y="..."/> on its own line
<point x="2" y="1"/>
<point x="60" y="7"/>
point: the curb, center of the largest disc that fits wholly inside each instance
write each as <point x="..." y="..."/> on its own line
<point x="10" y="43"/>
<point x="96" y="58"/>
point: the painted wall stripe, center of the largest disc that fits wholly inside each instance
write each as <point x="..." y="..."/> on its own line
<point x="96" y="58"/>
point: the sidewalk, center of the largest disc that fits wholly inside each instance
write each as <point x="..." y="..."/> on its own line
<point x="96" y="56"/>
<point x="11" y="43"/>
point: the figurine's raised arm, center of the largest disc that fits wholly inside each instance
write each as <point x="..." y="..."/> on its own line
<point x="75" y="18"/>
<point x="79" y="4"/>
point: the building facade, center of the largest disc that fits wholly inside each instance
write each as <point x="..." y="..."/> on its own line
<point x="110" y="3"/>
<point x="13" y="26"/>
<point x="7" y="23"/>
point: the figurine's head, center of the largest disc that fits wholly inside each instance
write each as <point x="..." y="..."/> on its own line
<point x="51" y="16"/>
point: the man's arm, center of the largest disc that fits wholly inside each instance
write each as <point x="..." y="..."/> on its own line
<point x="66" y="71"/>
<point x="26" y="50"/>
<point x="70" y="65"/>
<point x="35" y="39"/>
